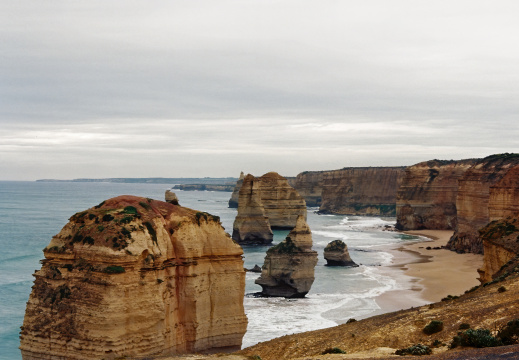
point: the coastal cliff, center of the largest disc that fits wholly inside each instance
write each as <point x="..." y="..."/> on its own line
<point x="136" y="277"/>
<point x="251" y="225"/>
<point x="426" y="198"/>
<point x="361" y="191"/>
<point x="475" y="205"/>
<point x="309" y="185"/>
<point x="288" y="270"/>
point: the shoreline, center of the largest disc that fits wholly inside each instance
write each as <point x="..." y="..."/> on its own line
<point x="434" y="274"/>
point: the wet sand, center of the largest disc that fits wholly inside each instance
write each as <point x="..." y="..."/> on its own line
<point x="435" y="273"/>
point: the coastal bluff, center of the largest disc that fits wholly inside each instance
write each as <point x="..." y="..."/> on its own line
<point x="353" y="190"/>
<point x="135" y="277"/>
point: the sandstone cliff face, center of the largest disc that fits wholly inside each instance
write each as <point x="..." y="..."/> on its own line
<point x="336" y="254"/>
<point x="282" y="203"/>
<point x="361" y="191"/>
<point x="136" y="277"/>
<point x="426" y="198"/>
<point x="473" y="199"/>
<point x="251" y="225"/>
<point x="233" y="201"/>
<point x="288" y="270"/>
<point x="500" y="243"/>
<point x="309" y="185"/>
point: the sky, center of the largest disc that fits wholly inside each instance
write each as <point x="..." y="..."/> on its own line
<point x="210" y="88"/>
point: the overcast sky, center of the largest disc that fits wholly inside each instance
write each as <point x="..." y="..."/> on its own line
<point x="209" y="88"/>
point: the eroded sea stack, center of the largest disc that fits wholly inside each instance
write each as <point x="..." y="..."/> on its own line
<point x="336" y="254"/>
<point x="489" y="190"/>
<point x="251" y="225"/>
<point x="235" y="196"/>
<point x="136" y="277"/>
<point x="426" y="198"/>
<point x="288" y="270"/>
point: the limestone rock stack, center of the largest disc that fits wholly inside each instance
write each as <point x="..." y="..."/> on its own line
<point x="171" y="197"/>
<point x="426" y="198"/>
<point x="288" y="270"/>
<point x="233" y="201"/>
<point x="136" y="277"/>
<point x="251" y="225"/>
<point x="496" y="175"/>
<point x="336" y="254"/>
<point x="282" y="203"/>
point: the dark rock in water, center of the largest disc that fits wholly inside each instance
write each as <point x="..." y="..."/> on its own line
<point x="336" y="254"/>
<point x="255" y="269"/>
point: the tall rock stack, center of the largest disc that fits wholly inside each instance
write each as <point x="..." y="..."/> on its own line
<point x="427" y="197"/>
<point x="235" y="196"/>
<point x="288" y="270"/>
<point x="282" y="203"/>
<point x="136" y="277"/>
<point x="475" y="207"/>
<point x="251" y="226"/>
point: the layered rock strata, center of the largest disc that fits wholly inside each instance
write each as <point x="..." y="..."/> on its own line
<point x="288" y="270"/>
<point x="136" y="277"/>
<point x="501" y="247"/>
<point x="336" y="254"/>
<point x="282" y="203"/>
<point x="235" y="196"/>
<point x="486" y="192"/>
<point x="309" y="185"/>
<point x="426" y="199"/>
<point x="361" y="191"/>
<point x="251" y="225"/>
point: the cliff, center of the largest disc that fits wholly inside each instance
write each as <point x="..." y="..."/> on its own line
<point x="288" y="270"/>
<point x="426" y="199"/>
<point x="309" y="185"/>
<point x="475" y="208"/>
<point x="235" y="196"/>
<point x="251" y="225"/>
<point x="361" y="191"/>
<point x="136" y="277"/>
<point x="205" y="187"/>
<point x="336" y="254"/>
<point x="282" y="203"/>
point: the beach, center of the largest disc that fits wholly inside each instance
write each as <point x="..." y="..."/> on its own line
<point x="436" y="273"/>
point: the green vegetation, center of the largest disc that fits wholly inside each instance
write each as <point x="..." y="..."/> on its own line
<point x="464" y="326"/>
<point x="108" y="217"/>
<point x="130" y="210"/>
<point x="145" y="205"/>
<point x="255" y="357"/>
<point x="334" y="350"/>
<point x="417" y="349"/>
<point x="100" y="228"/>
<point x="88" y="240"/>
<point x="498" y="229"/>
<point x="509" y="334"/>
<point x="287" y="246"/>
<point x="151" y="231"/>
<point x="206" y="216"/>
<point x="114" y="269"/>
<point x="450" y="297"/>
<point x="100" y="204"/>
<point x="335" y="245"/>
<point x="433" y="327"/>
<point x="479" y="338"/>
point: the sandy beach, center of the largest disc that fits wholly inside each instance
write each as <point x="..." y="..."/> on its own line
<point x="436" y="273"/>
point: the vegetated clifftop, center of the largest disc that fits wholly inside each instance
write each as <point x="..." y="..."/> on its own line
<point x="136" y="277"/>
<point x="361" y="191"/>
<point x="251" y="225"/>
<point x="288" y="270"/>
<point x="486" y="192"/>
<point x="426" y="198"/>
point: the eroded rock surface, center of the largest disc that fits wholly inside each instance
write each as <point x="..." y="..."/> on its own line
<point x="288" y="270"/>
<point x="426" y="198"/>
<point x="251" y="225"/>
<point x="171" y="197"/>
<point x="136" y="277"/>
<point x="235" y="196"/>
<point x="336" y="254"/>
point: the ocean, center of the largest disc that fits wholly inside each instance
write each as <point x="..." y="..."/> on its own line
<point x="32" y="212"/>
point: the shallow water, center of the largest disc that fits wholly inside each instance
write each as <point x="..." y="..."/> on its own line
<point x="32" y="212"/>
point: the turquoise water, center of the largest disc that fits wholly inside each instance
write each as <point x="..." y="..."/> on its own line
<point x="32" y="212"/>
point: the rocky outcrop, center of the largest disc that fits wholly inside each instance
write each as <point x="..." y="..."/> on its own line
<point x="171" y="197"/>
<point x="426" y="199"/>
<point x="501" y="246"/>
<point x="205" y="187"/>
<point x="288" y="270"/>
<point x="233" y="201"/>
<point x="136" y="277"/>
<point x="282" y="203"/>
<point x="361" y="191"/>
<point x="251" y="226"/>
<point x="473" y="201"/>
<point x="336" y="254"/>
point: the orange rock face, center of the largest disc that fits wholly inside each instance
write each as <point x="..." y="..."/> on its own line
<point x="361" y="191"/>
<point x="235" y="196"/>
<point x="136" y="277"/>
<point x="427" y="197"/>
<point x="474" y="204"/>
